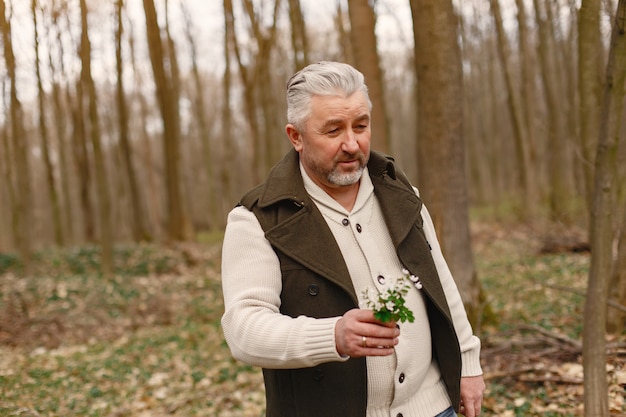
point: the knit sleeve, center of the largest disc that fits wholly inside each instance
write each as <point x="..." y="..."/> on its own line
<point x="469" y="343"/>
<point x="255" y="330"/>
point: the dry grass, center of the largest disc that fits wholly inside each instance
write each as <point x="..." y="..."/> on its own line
<point x="148" y="341"/>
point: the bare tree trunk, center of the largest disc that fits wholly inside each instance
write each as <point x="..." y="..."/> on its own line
<point x="590" y="58"/>
<point x="81" y="159"/>
<point x="138" y="226"/>
<point x="344" y="37"/>
<point x="178" y="227"/>
<point x="104" y="199"/>
<point x="252" y="76"/>
<point x="529" y="99"/>
<point x="175" y="90"/>
<point x="559" y="164"/>
<point x="299" y="41"/>
<point x="45" y="148"/>
<point x="226" y="116"/>
<point x="494" y="143"/>
<point x="153" y="199"/>
<point x="79" y="151"/>
<point x="363" y="40"/>
<point x="8" y="173"/>
<point x="440" y="139"/>
<point x="616" y="319"/>
<point x="271" y="129"/>
<point x="60" y="117"/>
<point x="526" y="171"/>
<point x="22" y="202"/>
<point x="247" y="77"/>
<point x="602" y="235"/>
<point x="566" y="38"/>
<point x="206" y="137"/>
<point x="479" y="85"/>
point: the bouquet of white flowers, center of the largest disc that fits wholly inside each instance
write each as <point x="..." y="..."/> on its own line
<point x="388" y="304"/>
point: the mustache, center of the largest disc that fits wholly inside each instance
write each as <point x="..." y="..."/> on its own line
<point x="346" y="157"/>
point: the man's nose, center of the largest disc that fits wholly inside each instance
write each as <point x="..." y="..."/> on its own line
<point x="350" y="143"/>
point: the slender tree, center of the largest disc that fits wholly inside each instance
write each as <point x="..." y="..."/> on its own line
<point x="53" y="194"/>
<point x="527" y="151"/>
<point x="204" y="121"/>
<point x="346" y="52"/>
<point x="516" y="110"/>
<point x="226" y="174"/>
<point x="257" y="91"/>
<point x="148" y="164"/>
<point x="246" y="74"/>
<point x="81" y="160"/>
<point x="590" y="59"/>
<point x="59" y="108"/>
<point x="178" y="224"/>
<point x="271" y="131"/>
<point x="299" y="41"/>
<point x="616" y="318"/>
<point x="559" y="161"/>
<point x="104" y="199"/>
<point x="8" y="173"/>
<point x="440" y="138"/>
<point x="138" y="226"/>
<point x="22" y="201"/>
<point x="366" y="59"/>
<point x="602" y="216"/>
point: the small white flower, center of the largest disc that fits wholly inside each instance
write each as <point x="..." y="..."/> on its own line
<point x="415" y="280"/>
<point x="388" y="303"/>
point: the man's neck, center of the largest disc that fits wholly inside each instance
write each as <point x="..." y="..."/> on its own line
<point x="346" y="195"/>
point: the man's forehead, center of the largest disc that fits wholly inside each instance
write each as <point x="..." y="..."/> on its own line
<point x="354" y="102"/>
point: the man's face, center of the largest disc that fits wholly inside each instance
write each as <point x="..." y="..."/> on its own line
<point x="335" y="145"/>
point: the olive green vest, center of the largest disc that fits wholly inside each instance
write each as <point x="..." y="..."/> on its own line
<point x="316" y="283"/>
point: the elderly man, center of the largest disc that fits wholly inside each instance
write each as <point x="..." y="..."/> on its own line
<point x="332" y="220"/>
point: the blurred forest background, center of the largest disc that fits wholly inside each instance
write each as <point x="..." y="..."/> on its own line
<point x="144" y="121"/>
<point x="153" y="131"/>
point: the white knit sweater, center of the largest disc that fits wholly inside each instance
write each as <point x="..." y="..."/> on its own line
<point x="407" y="382"/>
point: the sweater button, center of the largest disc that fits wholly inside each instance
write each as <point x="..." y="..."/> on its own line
<point x="345" y="222"/>
<point x="380" y="279"/>
<point x="399" y="415"/>
<point x="401" y="378"/>
<point x="314" y="289"/>
<point x="359" y="228"/>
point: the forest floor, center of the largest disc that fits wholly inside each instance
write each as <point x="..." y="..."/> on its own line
<point x="148" y="342"/>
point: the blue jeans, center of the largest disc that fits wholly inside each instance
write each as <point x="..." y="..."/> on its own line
<point x="447" y="413"/>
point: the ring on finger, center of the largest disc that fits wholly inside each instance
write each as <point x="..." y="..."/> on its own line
<point x="363" y="341"/>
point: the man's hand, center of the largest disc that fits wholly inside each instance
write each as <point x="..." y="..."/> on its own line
<point x="472" y="388"/>
<point x="359" y="334"/>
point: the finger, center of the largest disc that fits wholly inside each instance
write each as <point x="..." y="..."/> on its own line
<point x="478" y="407"/>
<point x="376" y="351"/>
<point x="367" y="316"/>
<point x="377" y="342"/>
<point x="470" y="408"/>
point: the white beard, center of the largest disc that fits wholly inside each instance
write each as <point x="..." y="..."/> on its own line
<point x="349" y="178"/>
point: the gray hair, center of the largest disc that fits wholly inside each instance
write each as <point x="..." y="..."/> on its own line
<point x="324" y="79"/>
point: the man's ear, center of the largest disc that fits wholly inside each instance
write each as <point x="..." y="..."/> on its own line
<point x="294" y="137"/>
